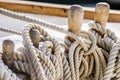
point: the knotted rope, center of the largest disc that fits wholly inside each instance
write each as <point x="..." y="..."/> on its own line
<point x="107" y="41"/>
<point x="50" y="62"/>
<point x="105" y="37"/>
<point x="81" y="62"/>
<point x="5" y="72"/>
<point x="82" y="58"/>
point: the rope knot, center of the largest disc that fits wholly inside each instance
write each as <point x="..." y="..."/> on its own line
<point x="105" y="37"/>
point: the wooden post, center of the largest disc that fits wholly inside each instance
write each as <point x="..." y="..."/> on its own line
<point x="8" y="51"/>
<point x="75" y="19"/>
<point x="35" y="36"/>
<point x="102" y="13"/>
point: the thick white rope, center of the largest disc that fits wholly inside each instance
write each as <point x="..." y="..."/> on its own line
<point x="112" y="63"/>
<point x="10" y="31"/>
<point x="40" y="22"/>
<point x="80" y="53"/>
<point x="104" y="33"/>
<point x="86" y="57"/>
<point x="81" y="64"/>
<point x="5" y="72"/>
<point x="107" y="40"/>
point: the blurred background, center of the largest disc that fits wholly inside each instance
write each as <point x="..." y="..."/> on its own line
<point x="115" y="4"/>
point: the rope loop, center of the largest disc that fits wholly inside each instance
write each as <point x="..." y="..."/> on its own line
<point x="81" y="60"/>
<point x="42" y="23"/>
<point x="108" y="42"/>
<point x="105" y="37"/>
<point x="83" y="56"/>
<point x="87" y="38"/>
<point x="113" y="66"/>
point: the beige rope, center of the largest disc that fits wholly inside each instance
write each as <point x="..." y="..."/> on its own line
<point x="74" y="50"/>
<point x="20" y="61"/>
<point x="42" y="23"/>
<point x="118" y="68"/>
<point x="111" y="62"/>
<point x="49" y="62"/>
<point x="57" y="50"/>
<point x="81" y="57"/>
<point x="107" y="40"/>
<point x="5" y="72"/>
<point x="35" y="55"/>
<point x="10" y="31"/>
<point x="104" y="36"/>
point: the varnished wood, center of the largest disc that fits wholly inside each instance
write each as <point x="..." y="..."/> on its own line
<point x="52" y="9"/>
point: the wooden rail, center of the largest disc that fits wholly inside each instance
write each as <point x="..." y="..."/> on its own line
<point x="52" y="9"/>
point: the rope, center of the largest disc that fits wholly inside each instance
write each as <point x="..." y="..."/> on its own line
<point x="40" y="22"/>
<point x="20" y="61"/>
<point x="9" y="31"/>
<point x="112" y="63"/>
<point x="80" y="65"/>
<point x="49" y="62"/>
<point x="107" y="41"/>
<point x="78" y="58"/>
<point x="5" y="72"/>
<point x="118" y="68"/>
<point x="105" y="37"/>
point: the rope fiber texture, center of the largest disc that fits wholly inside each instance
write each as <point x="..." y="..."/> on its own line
<point x="82" y="57"/>
<point x="108" y="42"/>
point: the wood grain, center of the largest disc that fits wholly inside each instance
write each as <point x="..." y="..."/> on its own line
<point x="75" y="19"/>
<point x="52" y="9"/>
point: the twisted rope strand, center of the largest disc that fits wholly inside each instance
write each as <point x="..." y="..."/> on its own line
<point x="107" y="40"/>
<point x="42" y="23"/>
<point x="5" y="72"/>
<point x="49" y="62"/>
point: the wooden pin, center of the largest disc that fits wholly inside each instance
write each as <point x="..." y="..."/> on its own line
<point x="75" y="19"/>
<point x="102" y="13"/>
<point x="8" y="51"/>
<point x="35" y="36"/>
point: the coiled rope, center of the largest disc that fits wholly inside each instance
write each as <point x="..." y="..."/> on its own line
<point x="49" y="62"/>
<point x="42" y="61"/>
<point x="108" y="42"/>
<point x="40" y="22"/>
<point x="5" y="72"/>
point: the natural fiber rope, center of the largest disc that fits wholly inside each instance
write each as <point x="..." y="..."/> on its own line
<point x="49" y="62"/>
<point x="89" y="41"/>
<point x="118" y="67"/>
<point x="5" y="73"/>
<point x="107" y="40"/>
<point x="111" y="63"/>
<point x="20" y="61"/>
<point x="105" y="37"/>
<point x="34" y="57"/>
<point x="74" y="51"/>
<point x="10" y="31"/>
<point x="40" y="22"/>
